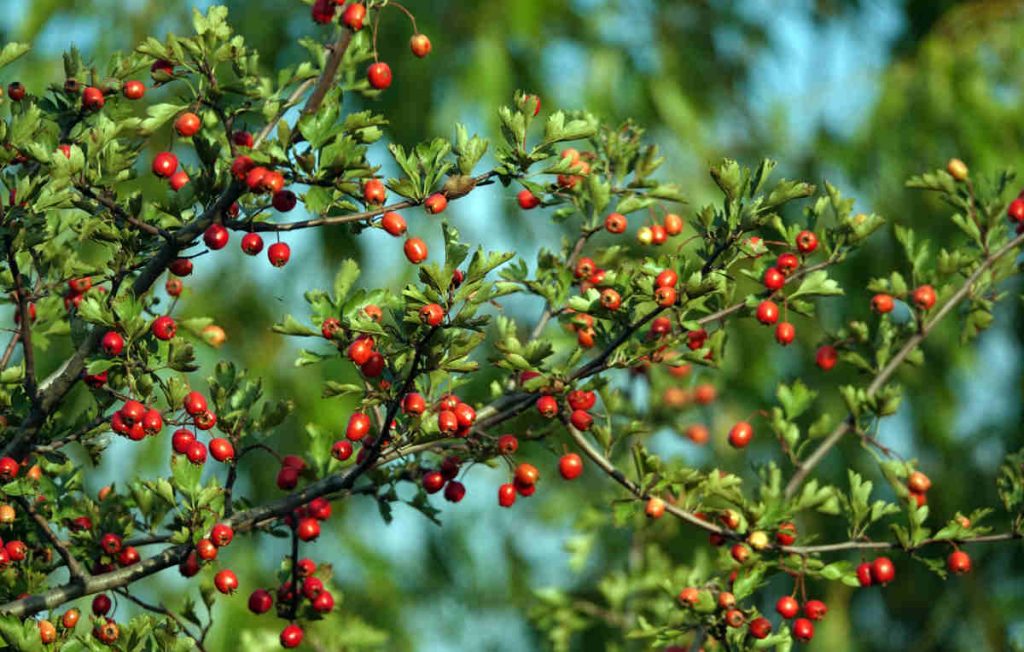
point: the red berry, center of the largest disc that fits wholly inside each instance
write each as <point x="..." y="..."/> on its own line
<point x="415" y="250"/>
<point x="16" y="91"/>
<point x="615" y="223"/>
<point x="164" y="164"/>
<point x="786" y="534"/>
<point x="527" y="200"/>
<point x="665" y="297"/>
<point x="164" y="328"/>
<point x="221" y="449"/>
<point x="787" y="606"/>
<point x="112" y="343"/>
<point x="187" y="124"/>
<point x="393" y="223"/>
<point x="774" y="279"/>
<point x="1015" y="211"/>
<point x="180" y="267"/>
<point x="178" y="180"/>
<point x="958" y="562"/>
<point x="252" y="244"/>
<point x="882" y="571"/>
<point x="787" y="263"/>
<point x="455" y="491"/>
<point x="882" y="303"/>
<point x="16" y="550"/>
<point x="506" y="495"/>
<point x="221" y="534"/>
<point x="610" y="299"/>
<point x="420" y="45"/>
<point x="360" y="350"/>
<point x="741" y="434"/>
<point x="216" y="237"/>
<point x="436" y="203"/>
<point x="358" y="426"/>
<point x="181" y="440"/>
<point x="447" y="422"/>
<point x="291" y="636"/>
<point x="864" y="574"/>
<point x="161" y="70"/>
<point x="431" y="314"/>
<point x="432" y="482"/>
<point x="527" y="474"/>
<point x="284" y="200"/>
<point x="194" y="403"/>
<point x="815" y="609"/>
<point x="226" y="581"/>
<point x="826" y="357"/>
<point x="323" y="602"/>
<point x="508" y="444"/>
<point x="760" y="628"/>
<point x="260" y="601"/>
<point x="924" y="297"/>
<point x="134" y="89"/>
<point x="111" y="543"/>
<point x="278" y="254"/>
<point x="785" y="332"/>
<point x="806" y="242"/>
<point x="547" y="406"/>
<point x="353" y="16"/>
<point x="767" y="312"/>
<point x="241" y="167"/>
<point x="581" y="420"/>
<point x="341" y="450"/>
<point x="666" y="279"/>
<point x="673" y="224"/>
<point x="582" y="400"/>
<point x="414" y="403"/>
<point x="196" y="452"/>
<point x="803" y="630"/>
<point x="92" y="98"/>
<point x="101" y="604"/>
<point x="379" y="75"/>
<point x="570" y="466"/>
<point x="308" y="529"/>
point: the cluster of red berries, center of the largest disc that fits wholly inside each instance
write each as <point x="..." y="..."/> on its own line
<point x="375" y="193"/>
<point x="206" y="550"/>
<point x="362" y="351"/>
<point x="312" y="589"/>
<point x="77" y="289"/>
<point x="923" y="298"/>
<point x="803" y="628"/>
<point x="135" y="421"/>
<point x="444" y="478"/>
<point x="113" y="554"/>
<point x="13" y="550"/>
<point x="353" y="16"/>
<point x="105" y="630"/>
<point x="918" y="485"/>
<point x="880" y="571"/>
<point x="184" y="442"/>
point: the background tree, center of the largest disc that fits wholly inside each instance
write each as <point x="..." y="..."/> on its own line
<point x="952" y="70"/>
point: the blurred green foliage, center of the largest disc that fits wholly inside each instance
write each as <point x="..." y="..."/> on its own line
<point x="709" y="79"/>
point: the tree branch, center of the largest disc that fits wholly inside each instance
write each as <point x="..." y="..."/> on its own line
<point x="884" y="374"/>
<point x="25" y="327"/>
<point x="76" y="570"/>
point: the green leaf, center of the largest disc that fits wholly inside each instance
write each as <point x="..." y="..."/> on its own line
<point x="346" y="277"/>
<point x="291" y="326"/>
<point x="12" y="51"/>
<point x="817" y="284"/>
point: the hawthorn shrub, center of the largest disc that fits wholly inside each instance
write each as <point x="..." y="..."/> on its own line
<point x="96" y="262"/>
